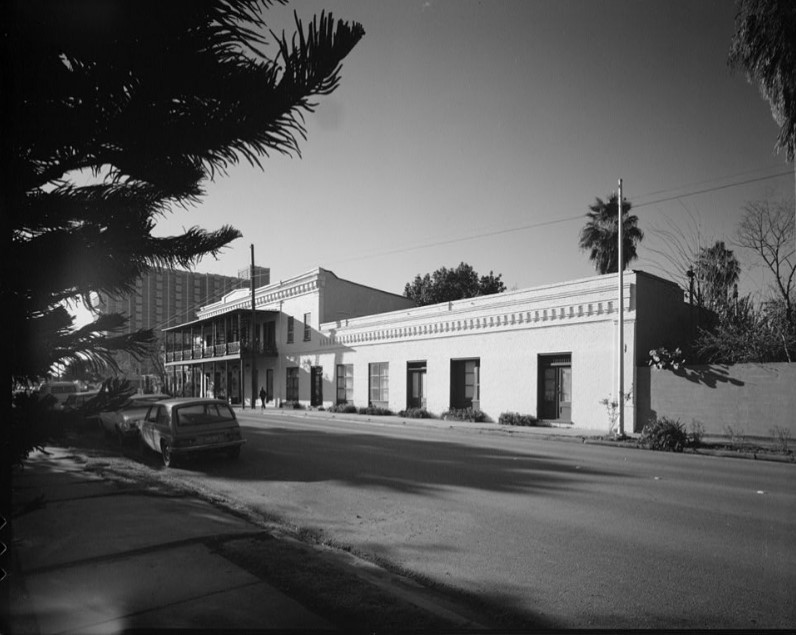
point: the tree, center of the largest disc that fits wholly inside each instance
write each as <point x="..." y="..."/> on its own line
<point x="768" y="229"/>
<point x="599" y="235"/>
<point x="764" y="45"/>
<point x="748" y="333"/>
<point x="114" y="113"/>
<point x="445" y="285"/>
<point x="716" y="272"/>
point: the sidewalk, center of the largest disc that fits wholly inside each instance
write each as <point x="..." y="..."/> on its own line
<point x="98" y="558"/>
<point x="555" y="431"/>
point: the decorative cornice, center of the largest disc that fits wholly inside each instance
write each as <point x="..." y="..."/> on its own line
<point x="267" y="297"/>
<point x="519" y="310"/>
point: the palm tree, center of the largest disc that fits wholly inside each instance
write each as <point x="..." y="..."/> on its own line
<point x="764" y="45"/>
<point x="153" y="100"/>
<point x="716" y="271"/>
<point x="599" y="235"/>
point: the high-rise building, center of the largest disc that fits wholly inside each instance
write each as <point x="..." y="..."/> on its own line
<point x="168" y="297"/>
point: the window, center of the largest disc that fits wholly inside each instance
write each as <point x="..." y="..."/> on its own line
<point x="345" y="383"/>
<point x="379" y="383"/>
<point x="290" y="328"/>
<point x="307" y="329"/>
<point x="292" y="385"/>
<point x="202" y="414"/>
<point x="465" y="383"/>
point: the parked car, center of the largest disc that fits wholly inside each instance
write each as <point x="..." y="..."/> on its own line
<point x="179" y="427"/>
<point x="59" y="390"/>
<point x="75" y="403"/>
<point x="122" y="423"/>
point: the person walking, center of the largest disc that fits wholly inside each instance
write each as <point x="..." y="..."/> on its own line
<point x="262" y="396"/>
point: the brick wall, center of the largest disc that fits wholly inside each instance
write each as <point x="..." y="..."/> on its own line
<point x="750" y="398"/>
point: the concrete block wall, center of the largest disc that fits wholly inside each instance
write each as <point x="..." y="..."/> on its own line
<point x="751" y="399"/>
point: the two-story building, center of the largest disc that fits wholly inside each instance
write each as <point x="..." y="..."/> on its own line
<point x="213" y="354"/>
<point x="549" y="351"/>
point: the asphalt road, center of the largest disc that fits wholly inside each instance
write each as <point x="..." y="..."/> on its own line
<point x="568" y="535"/>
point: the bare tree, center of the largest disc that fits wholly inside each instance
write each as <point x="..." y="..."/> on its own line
<point x="768" y="229"/>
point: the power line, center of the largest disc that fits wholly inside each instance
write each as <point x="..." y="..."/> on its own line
<point x="712" y="189"/>
<point x="527" y="226"/>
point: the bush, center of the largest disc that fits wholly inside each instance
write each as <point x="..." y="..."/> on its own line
<point x="464" y="414"/>
<point x="697" y="432"/>
<point x="294" y="405"/>
<point x="664" y="434"/>
<point x="375" y="410"/>
<point x="662" y="358"/>
<point x="517" y="419"/>
<point x="345" y="408"/>
<point x="415" y="413"/>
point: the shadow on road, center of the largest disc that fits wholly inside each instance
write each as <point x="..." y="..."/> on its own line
<point x="394" y="464"/>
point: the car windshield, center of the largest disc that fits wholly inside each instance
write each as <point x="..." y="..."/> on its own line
<point x="202" y="414"/>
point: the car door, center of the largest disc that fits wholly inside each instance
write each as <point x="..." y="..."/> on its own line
<point x="147" y="427"/>
<point x="161" y="425"/>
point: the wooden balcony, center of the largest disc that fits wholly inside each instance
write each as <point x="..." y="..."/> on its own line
<point x="239" y="349"/>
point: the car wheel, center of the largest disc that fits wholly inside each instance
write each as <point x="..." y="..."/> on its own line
<point x="165" y="451"/>
<point x="233" y="453"/>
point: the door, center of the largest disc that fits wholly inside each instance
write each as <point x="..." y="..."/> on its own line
<point x="316" y="386"/>
<point x="269" y="384"/>
<point x="416" y="385"/>
<point x="555" y="390"/>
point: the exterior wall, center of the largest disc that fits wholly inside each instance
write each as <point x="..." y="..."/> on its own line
<point x="507" y="332"/>
<point x="343" y="300"/>
<point x="664" y="318"/>
<point x="751" y="399"/>
<point x="508" y="368"/>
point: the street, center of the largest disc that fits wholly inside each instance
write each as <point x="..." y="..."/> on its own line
<point x="568" y="534"/>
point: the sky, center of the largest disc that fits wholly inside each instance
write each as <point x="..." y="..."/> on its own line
<point x="480" y="132"/>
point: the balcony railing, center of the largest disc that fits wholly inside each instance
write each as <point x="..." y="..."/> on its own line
<point x="221" y="350"/>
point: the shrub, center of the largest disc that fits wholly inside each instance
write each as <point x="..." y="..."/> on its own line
<point x="294" y="405"/>
<point x="697" y="432"/>
<point x="782" y="438"/>
<point x="664" y="434"/>
<point x="415" y="413"/>
<point x="737" y="436"/>
<point x="663" y="359"/>
<point x="345" y="408"/>
<point x="464" y="414"/>
<point x="517" y="419"/>
<point x="375" y="410"/>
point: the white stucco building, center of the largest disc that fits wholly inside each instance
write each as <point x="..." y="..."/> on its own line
<point x="548" y="351"/>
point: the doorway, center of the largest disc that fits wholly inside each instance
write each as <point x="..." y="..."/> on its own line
<point x="316" y="386"/>
<point x="416" y="385"/>
<point x="555" y="387"/>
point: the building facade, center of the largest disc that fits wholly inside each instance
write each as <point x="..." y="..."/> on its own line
<point x="549" y="351"/>
<point x="167" y="297"/>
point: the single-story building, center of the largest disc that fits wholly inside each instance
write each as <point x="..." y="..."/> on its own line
<point x="319" y="340"/>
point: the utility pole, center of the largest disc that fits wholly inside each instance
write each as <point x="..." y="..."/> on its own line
<point x="621" y="332"/>
<point x="252" y="339"/>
